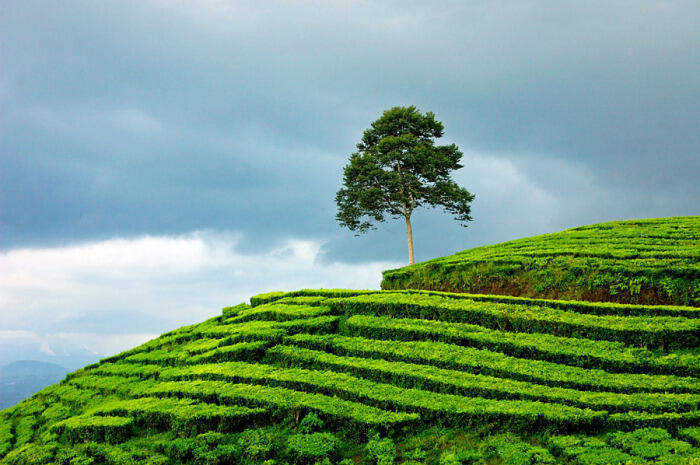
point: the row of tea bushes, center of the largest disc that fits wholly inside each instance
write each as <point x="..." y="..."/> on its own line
<point x="586" y="353"/>
<point x="650" y="331"/>
<point x="426" y="377"/>
<point x="497" y="364"/>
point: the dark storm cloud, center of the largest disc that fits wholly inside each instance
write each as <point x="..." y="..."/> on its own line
<point x="122" y="118"/>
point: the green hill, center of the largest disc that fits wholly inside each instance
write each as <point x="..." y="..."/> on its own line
<point x="654" y="261"/>
<point x="371" y="377"/>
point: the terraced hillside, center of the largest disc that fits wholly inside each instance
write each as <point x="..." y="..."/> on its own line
<point x="654" y="261"/>
<point x="350" y="377"/>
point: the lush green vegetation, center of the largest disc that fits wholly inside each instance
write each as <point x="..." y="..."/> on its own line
<point x="655" y="261"/>
<point x="415" y="377"/>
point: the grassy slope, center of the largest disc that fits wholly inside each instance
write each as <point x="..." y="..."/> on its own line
<point x="655" y="261"/>
<point x="383" y="377"/>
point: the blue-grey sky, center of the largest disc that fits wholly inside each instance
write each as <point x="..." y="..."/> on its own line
<point x="224" y="126"/>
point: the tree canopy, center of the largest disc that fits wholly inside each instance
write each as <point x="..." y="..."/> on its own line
<point x="398" y="168"/>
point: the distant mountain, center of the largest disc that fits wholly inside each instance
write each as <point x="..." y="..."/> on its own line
<point x="21" y="379"/>
<point x="60" y="351"/>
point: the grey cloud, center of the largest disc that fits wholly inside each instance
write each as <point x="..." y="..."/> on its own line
<point x="121" y="118"/>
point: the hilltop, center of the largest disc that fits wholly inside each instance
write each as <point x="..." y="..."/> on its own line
<point x="343" y="377"/>
<point x="653" y="261"/>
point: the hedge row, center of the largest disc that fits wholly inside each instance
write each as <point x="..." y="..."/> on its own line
<point x="73" y="396"/>
<point x="691" y="434"/>
<point x="288" y="298"/>
<point x="684" y="268"/>
<point x="607" y="355"/>
<point x="633" y="420"/>
<point x="124" y="369"/>
<point x="664" y="332"/>
<point x="148" y="346"/>
<point x="56" y="411"/>
<point x="185" y="333"/>
<point x="33" y="454"/>
<point x="332" y="383"/>
<point x="266" y="298"/>
<point x="96" y="428"/>
<point x="158" y="357"/>
<point x="261" y="299"/>
<point x="238" y="332"/>
<point x="191" y="337"/>
<point x="311" y="300"/>
<point x="642" y="446"/>
<point x="609" y="248"/>
<point x="127" y="380"/>
<point x="486" y="362"/>
<point x="5" y="434"/>
<point x="229" y="336"/>
<point x="183" y="416"/>
<point x="106" y="383"/>
<point x="240" y="351"/>
<point x="591" y="308"/>
<point x="25" y="427"/>
<point x="235" y="351"/>
<point x="594" y="308"/>
<point x="278" y="312"/>
<point x="173" y="353"/>
<point x="607" y="254"/>
<point x="197" y="346"/>
<point x="281" y="401"/>
<point x="256" y="330"/>
<point x="205" y="337"/>
<point x="452" y="409"/>
<point x="51" y="453"/>
<point x="228" y="312"/>
<point x="409" y="375"/>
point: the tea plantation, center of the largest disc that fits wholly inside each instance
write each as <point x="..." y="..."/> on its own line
<point x="343" y="377"/>
<point x="655" y="261"/>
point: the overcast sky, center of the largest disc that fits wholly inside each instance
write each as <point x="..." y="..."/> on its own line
<point x="160" y="160"/>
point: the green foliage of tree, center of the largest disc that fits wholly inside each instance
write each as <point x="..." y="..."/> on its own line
<point x="397" y="169"/>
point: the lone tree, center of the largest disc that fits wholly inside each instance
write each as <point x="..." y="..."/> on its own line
<point x="397" y="169"/>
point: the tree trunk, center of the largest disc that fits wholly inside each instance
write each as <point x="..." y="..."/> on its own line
<point x="409" y="232"/>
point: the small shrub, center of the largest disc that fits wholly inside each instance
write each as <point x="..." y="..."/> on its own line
<point x="449" y="458"/>
<point x="513" y="451"/>
<point x="210" y="438"/>
<point x="415" y="455"/>
<point x="381" y="451"/>
<point x="311" y="424"/>
<point x="460" y="457"/>
<point x="255" y="443"/>
<point x="311" y="446"/>
<point x="33" y="454"/>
